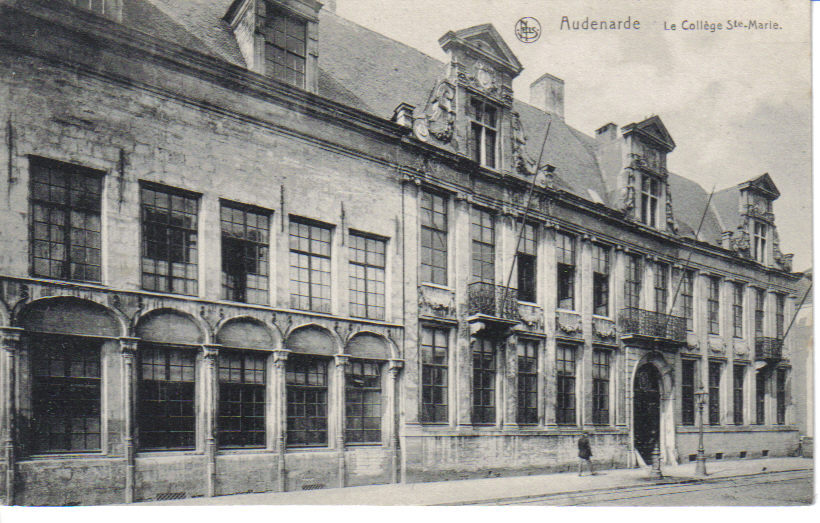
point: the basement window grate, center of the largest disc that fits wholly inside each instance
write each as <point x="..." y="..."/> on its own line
<point x="693" y="457"/>
<point x="168" y="496"/>
<point x="313" y="486"/>
<point x="742" y="453"/>
<point x="718" y="455"/>
<point x="764" y="453"/>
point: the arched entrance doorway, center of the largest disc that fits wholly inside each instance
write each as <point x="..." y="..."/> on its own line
<point x="647" y="410"/>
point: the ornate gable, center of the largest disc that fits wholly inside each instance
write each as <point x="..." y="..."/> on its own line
<point x="653" y="132"/>
<point x="764" y="185"/>
<point x="485" y="42"/>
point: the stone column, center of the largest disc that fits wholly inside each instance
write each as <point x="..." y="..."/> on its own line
<point x="621" y="362"/>
<point x="280" y="405"/>
<point x="547" y="284"/>
<point x="210" y="353"/>
<point x="9" y="341"/>
<point x="128" y="349"/>
<point x="583" y="304"/>
<point x="394" y="369"/>
<point x="342" y="362"/>
<point x="509" y="383"/>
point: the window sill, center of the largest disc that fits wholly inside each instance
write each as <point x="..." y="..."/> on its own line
<point x="571" y="311"/>
<point x="528" y="303"/>
<point x="66" y="455"/>
<point x="158" y="453"/>
<point x="436" y="286"/>
<point x="599" y="317"/>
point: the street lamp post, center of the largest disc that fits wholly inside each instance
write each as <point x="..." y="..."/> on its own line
<point x="700" y="465"/>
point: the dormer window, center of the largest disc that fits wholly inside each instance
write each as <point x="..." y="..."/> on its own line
<point x="759" y="242"/>
<point x="650" y="194"/>
<point x="109" y="8"/>
<point x="483" y="133"/>
<point x="285" y="47"/>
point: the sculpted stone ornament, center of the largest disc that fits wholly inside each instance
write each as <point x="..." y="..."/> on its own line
<point x="671" y="225"/>
<point x="439" y="114"/>
<point x="569" y="323"/>
<point x="603" y="329"/>
<point x="628" y="194"/>
<point x="717" y="346"/>
<point x="740" y="242"/>
<point x="740" y="347"/>
<point x="436" y="302"/>
<point x="784" y="261"/>
<point x="532" y="317"/>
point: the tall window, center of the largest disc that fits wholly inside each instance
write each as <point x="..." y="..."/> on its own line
<point x="527" y="258"/>
<point x="169" y="240"/>
<point x="363" y="402"/>
<point x="650" y="194"/>
<point x="760" y="397"/>
<point x="483" y="234"/>
<point x="781" y="396"/>
<point x="661" y="287"/>
<point x="687" y="298"/>
<point x="527" y="382"/>
<point x="565" y="399"/>
<point x="714" y="392"/>
<point x="760" y="301"/>
<point x="309" y="266"/>
<point x="565" y="254"/>
<point x="433" y="238"/>
<point x="737" y="309"/>
<point x="483" y="131"/>
<point x="367" y="257"/>
<point x="306" y="384"/>
<point x="737" y="393"/>
<point x="779" y="315"/>
<point x="434" y="350"/>
<point x="633" y="281"/>
<point x="241" y="415"/>
<point x="483" y="381"/>
<point x="65" y="201"/>
<point x="65" y="389"/>
<point x="713" y="305"/>
<point x="165" y="406"/>
<point x="759" y="242"/>
<point x="688" y="392"/>
<point x="285" y="49"/>
<point x="600" y="387"/>
<point x="244" y="253"/>
<point x="600" y="280"/>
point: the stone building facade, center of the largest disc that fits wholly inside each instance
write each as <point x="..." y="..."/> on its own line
<point x="245" y="248"/>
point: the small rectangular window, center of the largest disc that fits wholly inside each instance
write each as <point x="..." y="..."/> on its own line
<point x="565" y="371"/>
<point x="483" y="246"/>
<point x="306" y="384"/>
<point x="759" y="242"/>
<point x="66" y="202"/>
<point x="713" y="305"/>
<point x="650" y="194"/>
<point x="166" y="392"/>
<point x="737" y="309"/>
<point x="779" y="315"/>
<point x="310" y="247"/>
<point x="285" y="46"/>
<point x="484" y="373"/>
<point x="434" y="374"/>
<point x="738" y="378"/>
<point x="363" y="402"/>
<point x="245" y="257"/>
<point x="565" y="257"/>
<point x="527" y="382"/>
<point x="760" y="300"/>
<point x="483" y="132"/>
<point x="367" y="278"/>
<point x="633" y="282"/>
<point x="688" y="392"/>
<point x="600" y="280"/>
<point x="600" y="387"/>
<point x="527" y="263"/>
<point x="781" y="396"/>
<point x="661" y="287"/>
<point x="241" y="414"/>
<point x="687" y="297"/>
<point x="433" y="238"/>
<point x="760" y="397"/>
<point x="714" y="392"/>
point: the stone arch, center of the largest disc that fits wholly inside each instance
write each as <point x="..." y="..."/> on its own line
<point x="247" y="332"/>
<point x="166" y="325"/>
<point x="371" y="346"/>
<point x="71" y="315"/>
<point x="313" y="339"/>
<point x="668" y="446"/>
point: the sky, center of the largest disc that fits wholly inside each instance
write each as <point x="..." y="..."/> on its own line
<point x="737" y="103"/>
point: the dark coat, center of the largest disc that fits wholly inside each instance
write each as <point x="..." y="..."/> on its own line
<point x="584" y="451"/>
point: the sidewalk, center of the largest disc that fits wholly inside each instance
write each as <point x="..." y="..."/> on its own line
<point x="478" y="490"/>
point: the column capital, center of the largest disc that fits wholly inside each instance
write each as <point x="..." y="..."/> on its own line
<point x="128" y="346"/>
<point x="342" y="360"/>
<point x="394" y="367"/>
<point x="210" y="352"/>
<point x="9" y="337"/>
<point x="280" y="357"/>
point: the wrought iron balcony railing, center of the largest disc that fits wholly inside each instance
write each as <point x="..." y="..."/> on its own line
<point x="768" y="349"/>
<point x="650" y="324"/>
<point x="492" y="300"/>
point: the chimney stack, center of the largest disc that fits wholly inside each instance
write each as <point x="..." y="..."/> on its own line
<point x="607" y="132"/>
<point x="547" y="93"/>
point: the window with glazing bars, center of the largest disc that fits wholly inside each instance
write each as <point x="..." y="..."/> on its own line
<point x="306" y="383"/>
<point x="600" y="280"/>
<point x="309" y="266"/>
<point x="241" y="414"/>
<point x="565" y="382"/>
<point x="661" y="287"/>
<point x="760" y="397"/>
<point x="433" y="238"/>
<point x="367" y="258"/>
<point x="600" y="387"/>
<point x="483" y="130"/>
<point x="650" y="193"/>
<point x="165" y="397"/>
<point x="760" y="300"/>
<point x="687" y="298"/>
<point x="245" y="252"/>
<point x="714" y="392"/>
<point x="285" y="49"/>
<point x="483" y="235"/>
<point x="688" y="392"/>
<point x="779" y="315"/>
<point x="65" y="227"/>
<point x="632" y="282"/>
<point x="65" y="394"/>
<point x="759" y="242"/>
<point x="483" y="381"/>
<point x="434" y="350"/>
<point x="737" y="393"/>
<point x="565" y="258"/>
<point x="737" y="309"/>
<point x="363" y="402"/>
<point x="527" y="382"/>
<point x="713" y="305"/>
<point x="169" y="240"/>
<point x="527" y="262"/>
<point x="781" y="396"/>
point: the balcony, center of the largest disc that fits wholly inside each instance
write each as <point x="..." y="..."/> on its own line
<point x="652" y="329"/>
<point x="769" y="350"/>
<point x="494" y="306"/>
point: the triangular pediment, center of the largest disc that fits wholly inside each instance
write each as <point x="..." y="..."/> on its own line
<point x="763" y="184"/>
<point x="486" y="41"/>
<point x="654" y="131"/>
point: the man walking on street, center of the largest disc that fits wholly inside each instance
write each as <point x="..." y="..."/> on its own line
<point x="584" y="454"/>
